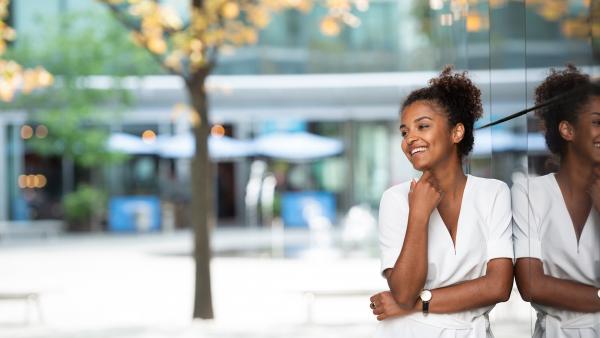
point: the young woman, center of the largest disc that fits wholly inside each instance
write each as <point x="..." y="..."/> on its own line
<point x="445" y="240"/>
<point x="557" y="226"/>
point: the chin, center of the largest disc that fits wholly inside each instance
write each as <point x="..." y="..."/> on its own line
<point x="421" y="166"/>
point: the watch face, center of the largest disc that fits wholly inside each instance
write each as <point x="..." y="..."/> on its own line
<point x="425" y="295"/>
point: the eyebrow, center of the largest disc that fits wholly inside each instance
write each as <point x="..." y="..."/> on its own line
<point x="423" y="118"/>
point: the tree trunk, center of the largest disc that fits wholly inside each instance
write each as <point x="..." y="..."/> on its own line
<point x="202" y="196"/>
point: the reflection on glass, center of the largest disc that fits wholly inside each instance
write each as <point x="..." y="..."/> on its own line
<point x="556" y="233"/>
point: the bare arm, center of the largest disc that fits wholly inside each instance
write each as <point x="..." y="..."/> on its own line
<point x="535" y="286"/>
<point x="407" y="278"/>
<point x="493" y="288"/>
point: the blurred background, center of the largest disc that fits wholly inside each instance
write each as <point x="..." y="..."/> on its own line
<point x="97" y="219"/>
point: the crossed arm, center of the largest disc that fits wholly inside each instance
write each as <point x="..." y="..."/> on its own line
<point x="535" y="286"/>
<point x="494" y="287"/>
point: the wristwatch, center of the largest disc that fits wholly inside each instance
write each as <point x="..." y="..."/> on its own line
<point x="598" y="293"/>
<point x="425" y="296"/>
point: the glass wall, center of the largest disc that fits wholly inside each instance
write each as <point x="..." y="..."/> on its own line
<point x="509" y="48"/>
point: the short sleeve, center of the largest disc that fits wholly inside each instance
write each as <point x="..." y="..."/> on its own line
<point x="393" y="217"/>
<point x="525" y="233"/>
<point x="500" y="231"/>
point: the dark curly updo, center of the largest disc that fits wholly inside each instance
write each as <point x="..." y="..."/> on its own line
<point x="458" y="97"/>
<point x="578" y="89"/>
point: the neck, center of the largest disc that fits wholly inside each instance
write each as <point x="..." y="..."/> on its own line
<point x="575" y="173"/>
<point x="450" y="178"/>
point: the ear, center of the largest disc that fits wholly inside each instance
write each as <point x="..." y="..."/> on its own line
<point x="566" y="131"/>
<point x="458" y="132"/>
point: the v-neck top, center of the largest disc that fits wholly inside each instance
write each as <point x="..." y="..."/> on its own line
<point x="543" y="229"/>
<point x="484" y="232"/>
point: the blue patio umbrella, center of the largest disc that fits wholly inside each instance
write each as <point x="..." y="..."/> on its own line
<point x="297" y="146"/>
<point x="130" y="144"/>
<point x="219" y="147"/>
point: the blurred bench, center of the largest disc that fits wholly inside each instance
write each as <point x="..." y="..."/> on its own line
<point x="31" y="299"/>
<point x="31" y="228"/>
<point x="311" y="296"/>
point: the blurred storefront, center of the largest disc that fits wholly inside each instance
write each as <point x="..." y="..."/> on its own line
<point x="347" y="87"/>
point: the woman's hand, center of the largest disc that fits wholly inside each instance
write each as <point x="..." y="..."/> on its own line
<point x="424" y="195"/>
<point x="384" y="306"/>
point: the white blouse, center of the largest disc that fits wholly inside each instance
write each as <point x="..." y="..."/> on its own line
<point x="484" y="232"/>
<point x="543" y="229"/>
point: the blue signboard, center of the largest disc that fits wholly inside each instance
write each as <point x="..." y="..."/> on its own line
<point x="134" y="214"/>
<point x="298" y="207"/>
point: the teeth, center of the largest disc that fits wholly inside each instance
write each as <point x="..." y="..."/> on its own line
<point x="597" y="145"/>
<point x="417" y="150"/>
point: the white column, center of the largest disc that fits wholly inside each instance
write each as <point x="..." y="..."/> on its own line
<point x="4" y="190"/>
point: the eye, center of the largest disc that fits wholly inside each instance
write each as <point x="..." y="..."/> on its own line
<point x="403" y="133"/>
<point x="423" y="126"/>
<point x="596" y="122"/>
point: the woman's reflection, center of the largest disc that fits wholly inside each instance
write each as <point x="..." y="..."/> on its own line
<point x="557" y="225"/>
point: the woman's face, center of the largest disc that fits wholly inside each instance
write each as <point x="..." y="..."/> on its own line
<point x="586" y="134"/>
<point x="426" y="135"/>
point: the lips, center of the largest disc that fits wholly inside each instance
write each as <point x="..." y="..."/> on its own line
<point x="596" y="145"/>
<point x="417" y="150"/>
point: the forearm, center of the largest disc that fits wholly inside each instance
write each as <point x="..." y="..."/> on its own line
<point x="493" y="288"/>
<point x="536" y="286"/>
<point x="565" y="294"/>
<point x="407" y="278"/>
<point x="465" y="296"/>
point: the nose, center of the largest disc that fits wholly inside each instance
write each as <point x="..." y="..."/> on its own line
<point x="410" y="139"/>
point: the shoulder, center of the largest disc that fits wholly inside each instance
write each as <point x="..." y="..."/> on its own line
<point x="532" y="185"/>
<point x="487" y="186"/>
<point x="396" y="193"/>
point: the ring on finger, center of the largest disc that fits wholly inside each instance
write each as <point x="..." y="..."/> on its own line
<point x="372" y="305"/>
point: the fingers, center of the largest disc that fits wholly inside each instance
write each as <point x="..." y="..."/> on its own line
<point x="428" y="177"/>
<point x="381" y="317"/>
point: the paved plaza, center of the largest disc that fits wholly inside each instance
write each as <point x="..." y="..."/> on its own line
<point x="134" y="286"/>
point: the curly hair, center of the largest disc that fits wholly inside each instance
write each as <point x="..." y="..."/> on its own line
<point x="456" y="94"/>
<point x="558" y="82"/>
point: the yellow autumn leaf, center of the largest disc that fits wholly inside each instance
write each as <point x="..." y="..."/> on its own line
<point x="44" y="78"/>
<point x="338" y="4"/>
<point x="9" y="34"/>
<point x="351" y="20"/>
<point x="251" y="36"/>
<point x="230" y="10"/>
<point x="157" y="45"/>
<point x="329" y="26"/>
<point x="473" y="22"/>
<point x="6" y="91"/>
<point x="497" y="3"/>
<point x="196" y="45"/>
<point x="29" y="81"/>
<point x="259" y="17"/>
<point x="170" y="18"/>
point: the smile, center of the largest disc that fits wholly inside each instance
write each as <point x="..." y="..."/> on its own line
<point x="421" y="149"/>
<point x="596" y="145"/>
